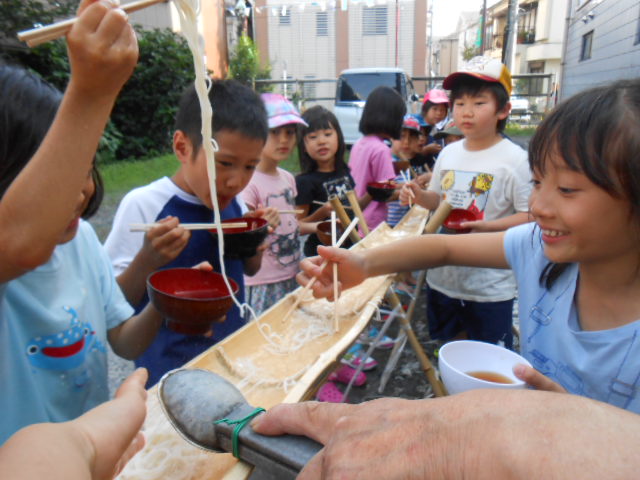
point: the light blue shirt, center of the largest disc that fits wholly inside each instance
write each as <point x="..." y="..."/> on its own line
<point x="604" y="365"/>
<point x="53" y="326"/>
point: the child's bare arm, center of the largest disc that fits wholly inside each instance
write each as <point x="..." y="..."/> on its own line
<point x="131" y="338"/>
<point x="499" y="224"/>
<point x="476" y="250"/>
<point x="41" y="202"/>
<point x="161" y="245"/>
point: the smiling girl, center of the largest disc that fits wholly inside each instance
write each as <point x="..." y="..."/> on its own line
<point x="577" y="266"/>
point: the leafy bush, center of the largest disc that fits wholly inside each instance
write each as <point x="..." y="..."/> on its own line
<point x="142" y="121"/>
<point x="146" y="106"/>
<point x="244" y="65"/>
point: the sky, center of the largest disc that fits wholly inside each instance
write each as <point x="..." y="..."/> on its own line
<point x="446" y="13"/>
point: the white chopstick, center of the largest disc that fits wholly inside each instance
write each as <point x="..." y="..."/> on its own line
<point x="145" y="227"/>
<point x="36" y="36"/>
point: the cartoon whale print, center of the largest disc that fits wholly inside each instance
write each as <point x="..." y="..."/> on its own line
<point x="64" y="350"/>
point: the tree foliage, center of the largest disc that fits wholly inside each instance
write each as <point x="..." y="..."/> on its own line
<point x="244" y="64"/>
<point x="142" y="120"/>
<point x="146" y="107"/>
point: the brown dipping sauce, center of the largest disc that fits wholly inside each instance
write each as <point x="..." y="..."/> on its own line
<point x="490" y="377"/>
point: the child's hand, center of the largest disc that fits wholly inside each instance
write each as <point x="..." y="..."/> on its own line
<point x="431" y="149"/>
<point x="103" y="49"/>
<point x="204" y="266"/>
<point x="409" y="192"/>
<point x="476" y="226"/>
<point x="535" y="379"/>
<point x="164" y="242"/>
<point x="423" y="179"/>
<point x="270" y="214"/>
<point x="351" y="271"/>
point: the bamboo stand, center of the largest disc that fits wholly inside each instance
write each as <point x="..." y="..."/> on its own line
<point x="343" y="217"/>
<point x="432" y="226"/>
<point x="353" y="201"/>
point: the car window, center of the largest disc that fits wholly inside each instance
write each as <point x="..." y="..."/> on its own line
<point x="357" y="87"/>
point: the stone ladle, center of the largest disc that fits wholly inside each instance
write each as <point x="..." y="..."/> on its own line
<point x="194" y="399"/>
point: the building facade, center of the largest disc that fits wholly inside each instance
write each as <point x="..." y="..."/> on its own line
<point x="212" y="26"/>
<point x="602" y="43"/>
<point x="316" y="40"/>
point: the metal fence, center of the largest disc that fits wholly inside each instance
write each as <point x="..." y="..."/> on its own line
<point x="533" y="95"/>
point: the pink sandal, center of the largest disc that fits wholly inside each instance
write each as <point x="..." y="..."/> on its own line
<point x="344" y="375"/>
<point x="329" y="393"/>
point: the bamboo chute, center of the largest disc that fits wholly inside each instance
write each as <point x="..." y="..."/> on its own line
<point x="265" y="376"/>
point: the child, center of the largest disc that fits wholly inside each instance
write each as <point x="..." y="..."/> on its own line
<point x="434" y="111"/>
<point x="488" y="175"/>
<point x="449" y="134"/>
<point x="240" y="130"/>
<point x="271" y="186"/>
<point x="577" y="267"/>
<point x="407" y="148"/>
<point x="59" y="301"/>
<point x="370" y="159"/>
<point x="323" y="170"/>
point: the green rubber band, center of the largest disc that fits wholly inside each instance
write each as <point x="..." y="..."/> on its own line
<point x="240" y="424"/>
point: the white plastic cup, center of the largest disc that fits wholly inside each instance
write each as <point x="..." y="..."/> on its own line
<point x="458" y="359"/>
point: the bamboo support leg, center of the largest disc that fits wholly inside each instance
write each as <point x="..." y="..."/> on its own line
<point x="429" y="370"/>
<point x="353" y="201"/>
<point x="343" y="217"/>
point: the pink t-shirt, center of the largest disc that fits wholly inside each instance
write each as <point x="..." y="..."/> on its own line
<point x="371" y="161"/>
<point x="280" y="259"/>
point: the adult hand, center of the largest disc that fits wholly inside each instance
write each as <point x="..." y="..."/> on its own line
<point x="478" y="434"/>
<point x="103" y="49"/>
<point x="351" y="271"/>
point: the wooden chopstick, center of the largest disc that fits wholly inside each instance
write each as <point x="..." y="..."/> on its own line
<point x="145" y="227"/>
<point x="318" y="202"/>
<point x="39" y="35"/>
<point x="298" y="211"/>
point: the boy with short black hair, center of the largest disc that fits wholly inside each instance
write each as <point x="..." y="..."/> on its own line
<point x="489" y="175"/>
<point x="239" y="127"/>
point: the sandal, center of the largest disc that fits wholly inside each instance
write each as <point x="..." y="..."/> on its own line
<point x="353" y="358"/>
<point x="329" y="393"/>
<point x="344" y="375"/>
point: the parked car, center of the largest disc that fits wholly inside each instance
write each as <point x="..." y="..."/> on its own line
<point x="354" y="86"/>
<point x="520" y="105"/>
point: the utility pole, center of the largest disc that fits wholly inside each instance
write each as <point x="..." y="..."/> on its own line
<point x="510" y="32"/>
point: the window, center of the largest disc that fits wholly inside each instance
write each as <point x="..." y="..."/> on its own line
<point x="374" y="20"/>
<point x="285" y="16"/>
<point x="587" y="42"/>
<point x="322" y="24"/>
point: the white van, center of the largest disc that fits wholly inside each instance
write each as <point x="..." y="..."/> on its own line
<point x="354" y="86"/>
